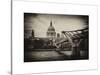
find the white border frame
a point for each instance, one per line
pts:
(18, 65)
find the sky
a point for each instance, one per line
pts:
(40, 23)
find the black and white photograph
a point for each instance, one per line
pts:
(55, 37)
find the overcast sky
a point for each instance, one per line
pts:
(40, 23)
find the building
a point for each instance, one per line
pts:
(51, 34)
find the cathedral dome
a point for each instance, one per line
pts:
(51, 28)
(51, 31)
